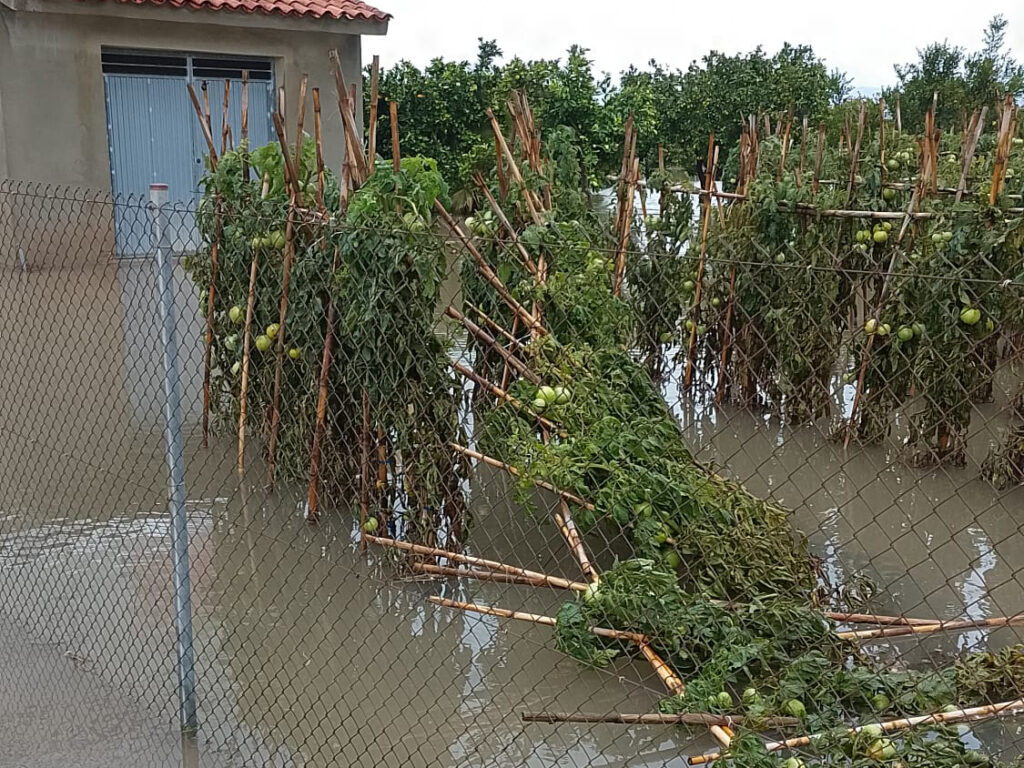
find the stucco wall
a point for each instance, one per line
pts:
(52, 113)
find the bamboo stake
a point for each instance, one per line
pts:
(244, 138)
(371, 129)
(513, 342)
(207, 133)
(1003, 144)
(246, 345)
(973, 135)
(899, 117)
(479, 562)
(661, 157)
(503, 219)
(534, 618)
(396, 154)
(500, 578)
(873, 618)
(502, 394)
(225, 124)
(937, 718)
(476, 455)
(720, 394)
(353, 142)
(488, 274)
(275, 407)
(818, 157)
(685, 718)
(364, 475)
(303, 85)
(855, 152)
(942, 626)
(803, 152)
(506, 372)
(211, 290)
(624, 217)
(319, 427)
(785, 143)
(528, 196)
(706, 220)
(499, 163)
(490, 341)
(563, 518)
(206, 107)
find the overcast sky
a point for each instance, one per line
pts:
(864, 38)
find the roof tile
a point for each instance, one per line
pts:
(318, 9)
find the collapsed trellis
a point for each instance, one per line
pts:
(519, 350)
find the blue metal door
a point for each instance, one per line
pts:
(154, 136)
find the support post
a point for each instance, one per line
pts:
(158, 196)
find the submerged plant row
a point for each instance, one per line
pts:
(322, 296)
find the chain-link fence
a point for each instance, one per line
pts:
(350, 385)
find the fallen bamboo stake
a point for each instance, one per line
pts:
(684, 718)
(527, 261)
(489, 340)
(489, 460)
(942, 626)
(501, 394)
(938, 718)
(873, 618)
(495, 576)
(488, 274)
(534, 618)
(479, 562)
(512, 340)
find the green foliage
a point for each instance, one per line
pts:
(963, 81)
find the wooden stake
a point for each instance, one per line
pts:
(956, 716)
(974, 131)
(706, 220)
(225, 124)
(493, 576)
(244, 138)
(364, 475)
(803, 152)
(246, 346)
(303, 85)
(506, 224)
(275, 406)
(698, 718)
(661, 157)
(899, 117)
(489, 340)
(396, 155)
(372, 127)
(488, 274)
(528, 196)
(490, 461)
(353, 142)
(785, 143)
(207, 134)
(855, 151)
(499, 163)
(503, 395)
(942, 626)
(719, 396)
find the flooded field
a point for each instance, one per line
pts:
(312, 653)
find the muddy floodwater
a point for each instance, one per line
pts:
(311, 653)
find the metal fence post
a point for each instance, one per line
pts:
(158, 196)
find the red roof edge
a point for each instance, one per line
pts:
(355, 10)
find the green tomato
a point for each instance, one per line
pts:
(918, 329)
(272, 330)
(892, 164)
(716, 302)
(690, 325)
(881, 749)
(689, 285)
(905, 333)
(276, 239)
(884, 329)
(294, 353)
(371, 525)
(539, 404)
(751, 696)
(673, 561)
(780, 258)
(888, 194)
(873, 730)
(236, 314)
(263, 343)
(547, 394)
(880, 701)
(795, 708)
(880, 236)
(236, 368)
(970, 315)
(859, 236)
(666, 337)
(887, 226)
(793, 762)
(724, 700)
(871, 326)
(562, 395)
